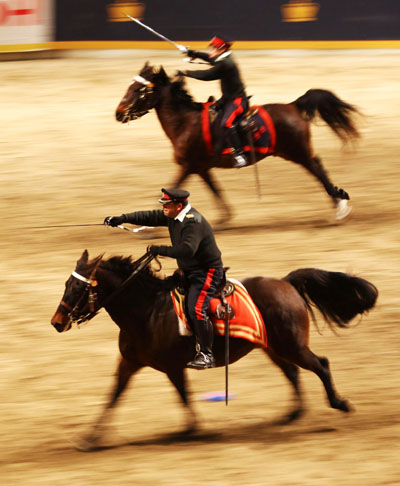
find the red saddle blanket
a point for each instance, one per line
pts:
(247, 322)
(264, 134)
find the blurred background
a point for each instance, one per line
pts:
(65, 160)
(61, 24)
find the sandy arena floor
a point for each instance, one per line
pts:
(65, 160)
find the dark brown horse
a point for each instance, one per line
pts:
(180, 117)
(140, 304)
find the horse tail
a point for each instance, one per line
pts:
(334, 111)
(338, 296)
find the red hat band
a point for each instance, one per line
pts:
(174, 195)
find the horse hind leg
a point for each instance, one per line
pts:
(320, 366)
(291, 371)
(338, 196)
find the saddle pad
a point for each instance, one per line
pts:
(247, 324)
(264, 136)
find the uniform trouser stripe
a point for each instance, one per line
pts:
(235, 113)
(203, 294)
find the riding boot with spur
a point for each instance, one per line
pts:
(204, 331)
(238, 154)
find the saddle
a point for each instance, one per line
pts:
(226, 288)
(255, 128)
(232, 303)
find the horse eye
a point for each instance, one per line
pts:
(73, 285)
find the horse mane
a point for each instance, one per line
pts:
(125, 266)
(180, 97)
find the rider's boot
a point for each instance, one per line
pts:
(204, 331)
(238, 154)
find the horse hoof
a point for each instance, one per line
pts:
(343, 209)
(346, 406)
(290, 417)
(85, 444)
(343, 405)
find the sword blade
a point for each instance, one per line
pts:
(153, 31)
(65, 225)
(135, 230)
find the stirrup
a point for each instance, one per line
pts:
(202, 361)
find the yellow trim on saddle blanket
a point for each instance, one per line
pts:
(247, 324)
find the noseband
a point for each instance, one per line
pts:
(145, 90)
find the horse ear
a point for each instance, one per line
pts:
(98, 258)
(162, 74)
(84, 257)
(145, 68)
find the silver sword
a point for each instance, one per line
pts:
(135, 230)
(178, 46)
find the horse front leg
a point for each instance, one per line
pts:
(91, 440)
(226, 212)
(177, 377)
(184, 173)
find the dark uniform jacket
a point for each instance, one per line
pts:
(224, 69)
(193, 242)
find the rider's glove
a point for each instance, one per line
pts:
(114, 220)
(191, 53)
(183, 49)
(154, 250)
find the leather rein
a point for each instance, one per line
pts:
(76, 315)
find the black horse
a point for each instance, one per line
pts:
(139, 303)
(181, 120)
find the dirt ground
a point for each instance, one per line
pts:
(65, 160)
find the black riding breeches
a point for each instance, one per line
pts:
(232, 110)
(202, 285)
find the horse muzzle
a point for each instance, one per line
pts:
(126, 114)
(61, 323)
(122, 116)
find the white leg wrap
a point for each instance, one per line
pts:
(343, 209)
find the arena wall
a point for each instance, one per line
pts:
(253, 24)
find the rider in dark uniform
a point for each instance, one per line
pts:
(233, 102)
(197, 254)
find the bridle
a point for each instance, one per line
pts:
(78, 316)
(145, 90)
(74, 312)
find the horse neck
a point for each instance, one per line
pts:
(133, 305)
(171, 119)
